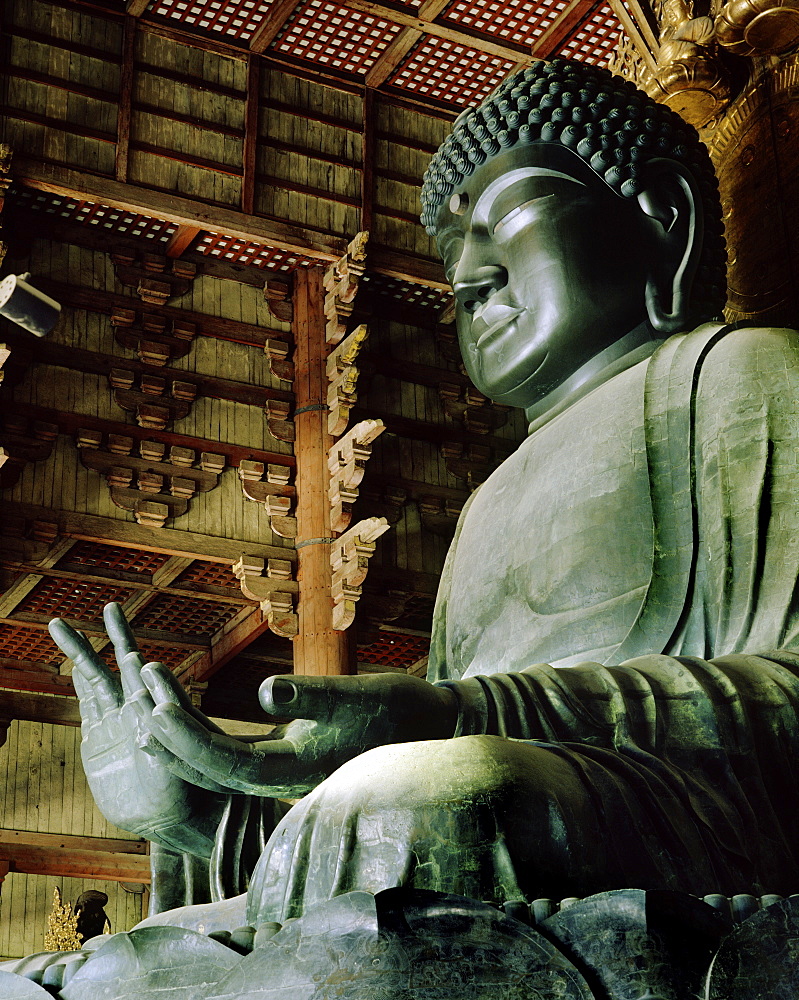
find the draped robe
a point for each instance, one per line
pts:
(604, 619)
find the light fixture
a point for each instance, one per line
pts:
(27, 306)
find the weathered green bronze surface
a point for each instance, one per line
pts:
(606, 715)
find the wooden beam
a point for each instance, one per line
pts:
(560, 29)
(645, 49)
(69, 182)
(181, 240)
(31, 707)
(34, 680)
(109, 531)
(250, 152)
(368, 160)
(277, 14)
(232, 642)
(125, 97)
(391, 58)
(135, 8)
(67, 863)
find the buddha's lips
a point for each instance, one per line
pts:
(491, 318)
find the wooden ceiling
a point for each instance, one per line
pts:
(213, 147)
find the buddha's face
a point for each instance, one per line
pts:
(548, 269)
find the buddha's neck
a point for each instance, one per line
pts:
(635, 346)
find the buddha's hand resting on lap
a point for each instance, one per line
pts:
(125, 771)
(334, 720)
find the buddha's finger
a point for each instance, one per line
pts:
(75, 645)
(126, 649)
(89, 709)
(165, 689)
(153, 748)
(228, 762)
(304, 697)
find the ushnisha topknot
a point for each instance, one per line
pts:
(609, 123)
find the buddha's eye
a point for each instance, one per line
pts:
(511, 223)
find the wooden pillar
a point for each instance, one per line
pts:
(319, 648)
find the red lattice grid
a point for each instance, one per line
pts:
(450, 72)
(33, 644)
(114, 558)
(101, 216)
(334, 36)
(595, 39)
(208, 574)
(233, 18)
(394, 649)
(403, 291)
(184, 615)
(509, 20)
(71, 599)
(238, 251)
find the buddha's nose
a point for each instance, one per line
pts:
(478, 285)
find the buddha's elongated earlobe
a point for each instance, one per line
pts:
(671, 201)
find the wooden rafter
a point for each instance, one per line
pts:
(181, 240)
(279, 12)
(391, 58)
(572, 14)
(135, 8)
(125, 97)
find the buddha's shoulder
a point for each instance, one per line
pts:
(747, 351)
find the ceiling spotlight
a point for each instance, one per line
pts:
(27, 306)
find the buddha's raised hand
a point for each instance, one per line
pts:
(131, 786)
(334, 720)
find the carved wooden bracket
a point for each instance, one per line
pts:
(440, 515)
(155, 278)
(273, 492)
(342, 377)
(471, 408)
(347, 464)
(278, 421)
(447, 343)
(386, 501)
(349, 560)
(278, 300)
(23, 441)
(341, 284)
(155, 403)
(472, 462)
(155, 339)
(27, 540)
(279, 365)
(155, 485)
(195, 690)
(275, 592)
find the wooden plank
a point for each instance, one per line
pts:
(250, 152)
(115, 867)
(59, 83)
(230, 644)
(125, 95)
(108, 531)
(62, 841)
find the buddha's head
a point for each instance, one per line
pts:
(569, 210)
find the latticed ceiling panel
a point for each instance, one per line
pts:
(404, 291)
(208, 574)
(395, 649)
(115, 220)
(34, 644)
(238, 251)
(74, 599)
(595, 39)
(450, 72)
(234, 19)
(179, 614)
(153, 652)
(335, 37)
(514, 21)
(112, 557)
